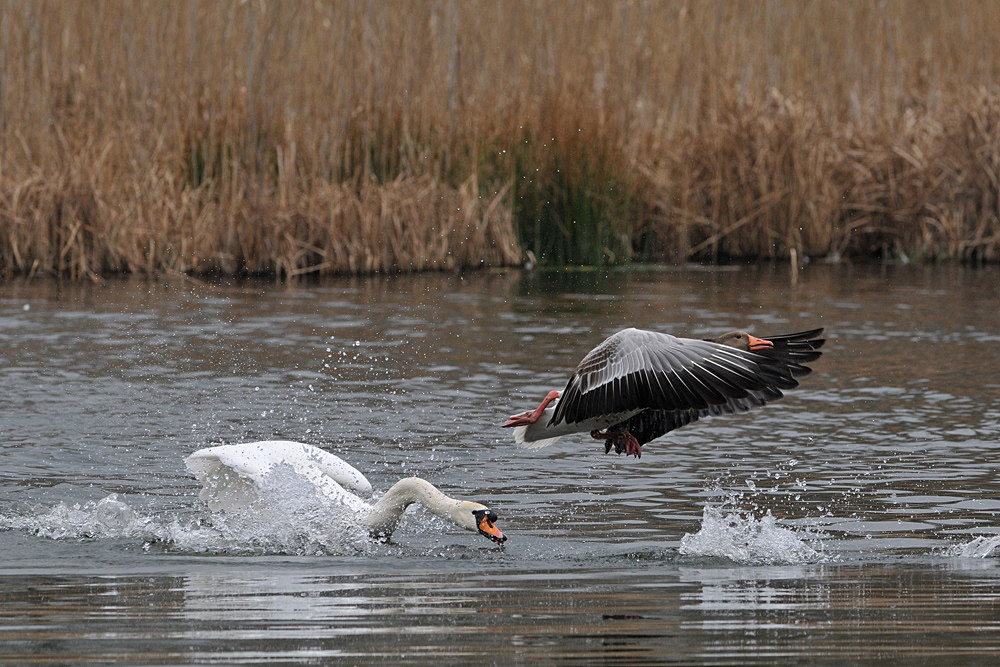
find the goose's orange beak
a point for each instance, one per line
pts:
(759, 343)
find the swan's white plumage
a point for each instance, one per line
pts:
(231, 475)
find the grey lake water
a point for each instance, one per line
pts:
(857, 520)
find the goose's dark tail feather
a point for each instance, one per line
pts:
(795, 349)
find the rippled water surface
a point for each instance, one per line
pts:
(855, 520)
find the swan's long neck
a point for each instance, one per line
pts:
(386, 513)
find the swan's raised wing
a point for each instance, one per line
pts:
(224, 486)
(232, 475)
(329, 464)
(641, 370)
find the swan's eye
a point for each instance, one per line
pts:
(488, 515)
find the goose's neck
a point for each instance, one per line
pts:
(386, 513)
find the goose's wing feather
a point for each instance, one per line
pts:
(645, 370)
(649, 425)
(231, 475)
(795, 349)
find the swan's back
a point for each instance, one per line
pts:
(233, 475)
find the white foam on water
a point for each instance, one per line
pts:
(743, 538)
(980, 547)
(287, 517)
(106, 518)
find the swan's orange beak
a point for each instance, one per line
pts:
(759, 343)
(486, 520)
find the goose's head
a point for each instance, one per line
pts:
(741, 340)
(481, 519)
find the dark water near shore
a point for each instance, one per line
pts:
(856, 520)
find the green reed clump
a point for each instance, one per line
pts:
(572, 202)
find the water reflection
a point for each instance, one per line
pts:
(882, 465)
(643, 615)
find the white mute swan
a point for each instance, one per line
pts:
(232, 476)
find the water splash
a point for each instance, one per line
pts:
(108, 518)
(743, 538)
(980, 547)
(288, 517)
(251, 533)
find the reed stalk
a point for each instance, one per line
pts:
(293, 139)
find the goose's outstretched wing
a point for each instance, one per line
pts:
(685, 378)
(649, 425)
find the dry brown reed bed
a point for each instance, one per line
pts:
(300, 139)
(762, 182)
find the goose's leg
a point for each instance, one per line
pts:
(623, 441)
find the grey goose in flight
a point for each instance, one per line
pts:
(638, 385)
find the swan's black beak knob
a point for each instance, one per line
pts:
(486, 521)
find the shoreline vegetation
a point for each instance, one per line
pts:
(290, 138)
